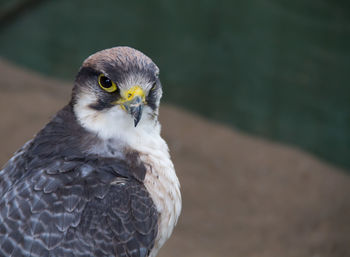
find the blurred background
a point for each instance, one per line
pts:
(256, 114)
(274, 68)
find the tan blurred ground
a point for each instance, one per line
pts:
(242, 196)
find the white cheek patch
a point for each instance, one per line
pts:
(105, 123)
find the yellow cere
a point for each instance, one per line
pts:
(135, 91)
(128, 95)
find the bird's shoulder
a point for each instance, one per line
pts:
(88, 203)
(58, 201)
(71, 207)
(63, 145)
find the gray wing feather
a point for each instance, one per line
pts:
(74, 208)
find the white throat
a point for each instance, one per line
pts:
(160, 180)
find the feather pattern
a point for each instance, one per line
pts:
(58, 201)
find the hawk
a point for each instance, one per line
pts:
(97, 180)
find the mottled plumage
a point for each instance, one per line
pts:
(92, 183)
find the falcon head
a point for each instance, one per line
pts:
(117, 89)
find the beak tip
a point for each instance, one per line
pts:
(135, 122)
(137, 116)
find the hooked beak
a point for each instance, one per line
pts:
(133, 102)
(134, 107)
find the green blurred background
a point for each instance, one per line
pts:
(273, 68)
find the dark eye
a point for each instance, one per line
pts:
(106, 83)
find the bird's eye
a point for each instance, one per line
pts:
(106, 84)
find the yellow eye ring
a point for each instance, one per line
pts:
(106, 84)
